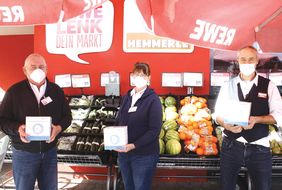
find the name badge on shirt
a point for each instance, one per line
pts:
(46, 100)
(132, 109)
(262, 95)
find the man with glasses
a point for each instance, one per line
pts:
(35, 96)
(248, 144)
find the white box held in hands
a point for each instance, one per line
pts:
(238, 113)
(115, 137)
(38, 128)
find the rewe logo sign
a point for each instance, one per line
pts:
(90, 32)
(11, 14)
(209, 32)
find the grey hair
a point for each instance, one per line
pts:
(34, 55)
(247, 47)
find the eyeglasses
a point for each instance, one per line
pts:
(33, 67)
(247, 60)
(134, 75)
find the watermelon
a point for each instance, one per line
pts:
(170, 125)
(171, 116)
(170, 109)
(162, 133)
(162, 146)
(171, 134)
(164, 118)
(173, 147)
(170, 101)
(161, 99)
(163, 111)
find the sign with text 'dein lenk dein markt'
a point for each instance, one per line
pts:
(89, 32)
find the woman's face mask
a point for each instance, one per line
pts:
(140, 81)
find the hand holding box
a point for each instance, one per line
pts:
(115, 137)
(38, 128)
(237, 113)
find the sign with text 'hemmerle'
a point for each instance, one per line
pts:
(138, 38)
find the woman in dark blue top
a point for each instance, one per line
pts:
(141, 111)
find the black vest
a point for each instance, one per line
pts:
(259, 97)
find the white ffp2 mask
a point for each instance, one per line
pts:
(38, 75)
(140, 82)
(247, 69)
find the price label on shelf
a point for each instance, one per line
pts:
(105, 78)
(80, 81)
(218, 79)
(193, 79)
(171, 79)
(63, 81)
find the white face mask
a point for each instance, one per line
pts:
(140, 82)
(247, 69)
(37, 75)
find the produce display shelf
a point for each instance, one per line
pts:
(189, 163)
(277, 162)
(85, 160)
(8, 157)
(204, 163)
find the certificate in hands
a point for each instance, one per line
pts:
(238, 113)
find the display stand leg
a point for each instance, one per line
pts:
(109, 176)
(115, 177)
(119, 183)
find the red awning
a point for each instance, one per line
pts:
(217, 24)
(32, 12)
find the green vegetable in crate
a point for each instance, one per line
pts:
(173, 147)
(170, 109)
(218, 131)
(101, 147)
(170, 101)
(280, 144)
(276, 146)
(163, 116)
(171, 116)
(271, 128)
(162, 146)
(162, 133)
(170, 125)
(161, 99)
(171, 134)
(163, 110)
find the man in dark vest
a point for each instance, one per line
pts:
(247, 144)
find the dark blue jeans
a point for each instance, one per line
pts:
(256, 158)
(137, 170)
(29, 167)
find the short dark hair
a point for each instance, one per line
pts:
(141, 66)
